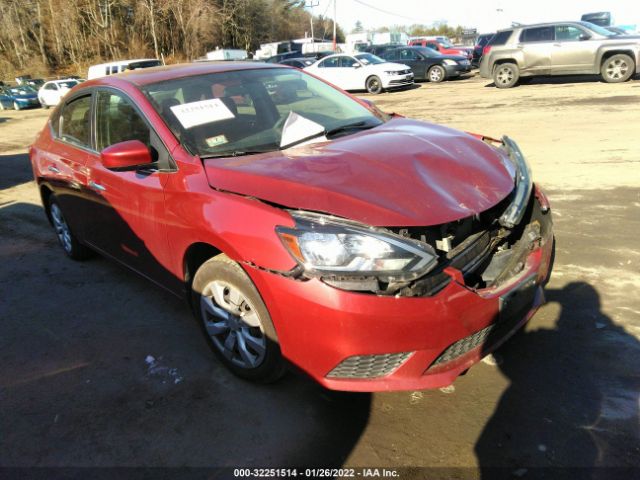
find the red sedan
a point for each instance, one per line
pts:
(305, 226)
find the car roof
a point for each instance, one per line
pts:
(545, 24)
(146, 76)
(124, 62)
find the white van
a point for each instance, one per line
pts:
(104, 69)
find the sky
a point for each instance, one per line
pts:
(486, 15)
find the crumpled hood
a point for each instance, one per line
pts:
(402, 173)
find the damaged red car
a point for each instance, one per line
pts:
(306, 227)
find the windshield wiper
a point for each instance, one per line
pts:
(361, 125)
(234, 153)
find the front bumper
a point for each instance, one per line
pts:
(397, 81)
(406, 343)
(457, 70)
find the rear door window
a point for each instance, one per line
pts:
(537, 34)
(75, 125)
(500, 38)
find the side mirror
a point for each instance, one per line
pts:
(127, 155)
(584, 37)
(356, 65)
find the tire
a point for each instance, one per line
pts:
(436, 74)
(506, 75)
(374, 85)
(236, 321)
(617, 68)
(16, 106)
(68, 241)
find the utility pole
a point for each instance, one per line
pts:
(310, 5)
(334, 25)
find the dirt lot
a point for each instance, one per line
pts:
(75, 389)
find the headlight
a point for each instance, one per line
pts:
(325, 246)
(391, 73)
(515, 211)
(448, 61)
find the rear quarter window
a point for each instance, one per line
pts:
(537, 34)
(500, 38)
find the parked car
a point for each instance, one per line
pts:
(363, 71)
(51, 92)
(481, 42)
(298, 62)
(282, 56)
(378, 50)
(19, 97)
(371, 251)
(561, 48)
(427, 64)
(111, 68)
(442, 47)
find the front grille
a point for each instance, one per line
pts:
(369, 366)
(487, 336)
(400, 82)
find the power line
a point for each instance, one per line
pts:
(413, 20)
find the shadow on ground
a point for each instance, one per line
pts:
(557, 410)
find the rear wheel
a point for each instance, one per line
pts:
(236, 321)
(70, 244)
(374, 85)
(436, 74)
(617, 68)
(506, 75)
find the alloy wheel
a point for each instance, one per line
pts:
(62, 229)
(617, 69)
(505, 75)
(435, 75)
(233, 324)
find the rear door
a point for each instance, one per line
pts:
(537, 44)
(127, 207)
(573, 52)
(64, 166)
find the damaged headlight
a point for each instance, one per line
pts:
(326, 246)
(514, 212)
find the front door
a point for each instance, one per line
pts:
(573, 52)
(128, 206)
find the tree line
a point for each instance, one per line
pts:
(64, 36)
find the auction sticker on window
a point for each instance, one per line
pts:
(202, 112)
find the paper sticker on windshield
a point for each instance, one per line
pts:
(198, 113)
(215, 141)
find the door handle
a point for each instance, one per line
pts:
(96, 186)
(53, 168)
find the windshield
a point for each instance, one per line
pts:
(68, 84)
(599, 30)
(369, 59)
(428, 52)
(22, 90)
(245, 111)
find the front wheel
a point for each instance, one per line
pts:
(374, 85)
(617, 68)
(437, 74)
(506, 75)
(236, 321)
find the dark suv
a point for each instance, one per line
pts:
(562, 48)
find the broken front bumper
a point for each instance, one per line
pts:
(364, 342)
